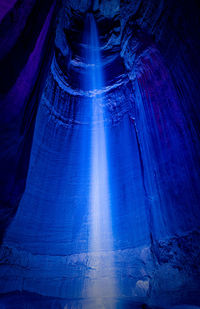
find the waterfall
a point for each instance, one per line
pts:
(100, 242)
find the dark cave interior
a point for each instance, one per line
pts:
(100, 154)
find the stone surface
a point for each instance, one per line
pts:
(22, 78)
(150, 60)
(164, 274)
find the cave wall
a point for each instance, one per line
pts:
(150, 59)
(23, 68)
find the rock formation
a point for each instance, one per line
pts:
(150, 64)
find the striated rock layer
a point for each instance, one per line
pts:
(150, 61)
(163, 275)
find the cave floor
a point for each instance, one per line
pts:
(27, 300)
(22, 300)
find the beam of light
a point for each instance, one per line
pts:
(102, 274)
(101, 238)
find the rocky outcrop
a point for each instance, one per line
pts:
(145, 274)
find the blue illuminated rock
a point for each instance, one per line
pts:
(147, 106)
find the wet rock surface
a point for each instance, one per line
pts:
(162, 275)
(150, 59)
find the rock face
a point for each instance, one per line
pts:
(150, 64)
(22, 78)
(165, 274)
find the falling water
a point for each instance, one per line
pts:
(102, 274)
